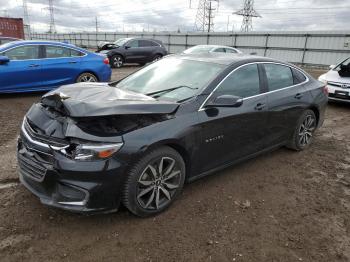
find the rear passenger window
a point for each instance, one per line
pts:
(278, 76)
(244, 82)
(219, 50)
(229, 50)
(146, 43)
(298, 76)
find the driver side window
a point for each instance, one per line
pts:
(134, 43)
(244, 82)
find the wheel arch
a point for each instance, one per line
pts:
(316, 111)
(180, 149)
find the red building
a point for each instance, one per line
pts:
(11, 27)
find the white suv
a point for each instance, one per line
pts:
(338, 81)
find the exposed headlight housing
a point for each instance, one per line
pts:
(88, 152)
(95, 152)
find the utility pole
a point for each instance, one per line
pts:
(52, 29)
(205, 15)
(248, 13)
(96, 24)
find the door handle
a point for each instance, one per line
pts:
(259, 107)
(298, 96)
(72, 62)
(33, 65)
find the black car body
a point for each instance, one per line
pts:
(133, 50)
(202, 129)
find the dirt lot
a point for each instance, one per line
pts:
(283, 206)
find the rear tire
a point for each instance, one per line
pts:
(304, 131)
(154, 182)
(117, 61)
(86, 77)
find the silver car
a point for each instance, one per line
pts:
(211, 49)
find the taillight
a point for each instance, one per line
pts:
(106, 61)
(325, 90)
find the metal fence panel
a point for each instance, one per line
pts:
(320, 48)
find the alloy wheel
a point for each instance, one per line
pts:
(158, 183)
(117, 61)
(87, 78)
(306, 130)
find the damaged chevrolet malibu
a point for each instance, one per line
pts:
(90, 147)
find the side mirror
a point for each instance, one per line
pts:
(331, 67)
(253, 53)
(127, 47)
(226, 101)
(4, 60)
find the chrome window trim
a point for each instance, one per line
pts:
(201, 108)
(44, 58)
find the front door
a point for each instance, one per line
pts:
(232, 133)
(23, 71)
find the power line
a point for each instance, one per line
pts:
(248, 13)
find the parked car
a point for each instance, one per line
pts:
(4, 40)
(138, 140)
(211, 49)
(337, 80)
(104, 47)
(135, 50)
(27, 66)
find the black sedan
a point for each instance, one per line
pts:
(133, 50)
(89, 147)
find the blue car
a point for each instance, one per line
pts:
(27, 66)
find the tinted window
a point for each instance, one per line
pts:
(58, 51)
(298, 76)
(244, 82)
(229, 50)
(134, 43)
(278, 76)
(145, 43)
(23, 53)
(219, 50)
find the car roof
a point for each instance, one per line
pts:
(214, 46)
(37, 42)
(224, 59)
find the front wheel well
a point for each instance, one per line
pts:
(183, 153)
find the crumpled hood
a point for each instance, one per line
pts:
(100, 99)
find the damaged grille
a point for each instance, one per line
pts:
(30, 168)
(33, 132)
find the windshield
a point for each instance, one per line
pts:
(121, 41)
(198, 49)
(172, 79)
(344, 63)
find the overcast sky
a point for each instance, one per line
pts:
(160, 15)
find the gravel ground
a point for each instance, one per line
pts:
(282, 206)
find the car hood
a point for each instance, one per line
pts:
(100, 99)
(333, 76)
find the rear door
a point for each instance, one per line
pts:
(232, 133)
(287, 98)
(60, 66)
(23, 72)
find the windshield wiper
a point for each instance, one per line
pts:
(169, 90)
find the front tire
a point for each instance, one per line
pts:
(304, 131)
(154, 182)
(86, 77)
(156, 58)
